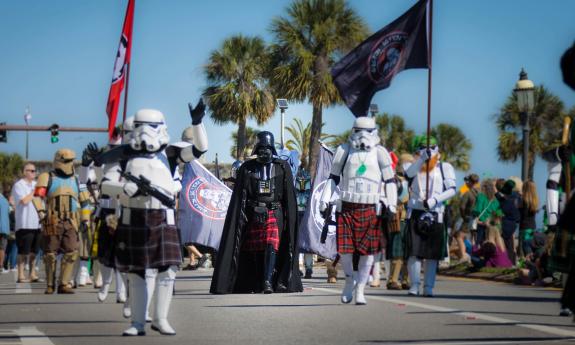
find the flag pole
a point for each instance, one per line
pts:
(430, 55)
(126, 96)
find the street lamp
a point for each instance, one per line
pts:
(525, 93)
(27, 118)
(373, 109)
(283, 105)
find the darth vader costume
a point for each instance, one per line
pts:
(258, 250)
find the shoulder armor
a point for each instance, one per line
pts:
(43, 180)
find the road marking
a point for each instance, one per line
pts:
(23, 288)
(478, 316)
(32, 336)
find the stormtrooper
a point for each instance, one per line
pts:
(147, 242)
(426, 231)
(363, 171)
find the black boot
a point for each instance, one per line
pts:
(269, 265)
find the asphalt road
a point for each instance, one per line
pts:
(462, 312)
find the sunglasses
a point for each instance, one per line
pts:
(31, 170)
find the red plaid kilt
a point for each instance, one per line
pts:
(358, 229)
(148, 242)
(259, 236)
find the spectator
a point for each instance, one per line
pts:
(528, 207)
(193, 252)
(485, 205)
(466, 206)
(509, 202)
(4, 228)
(492, 252)
(27, 223)
(534, 269)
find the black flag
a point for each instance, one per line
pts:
(372, 65)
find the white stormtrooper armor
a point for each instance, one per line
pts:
(442, 185)
(363, 171)
(357, 183)
(555, 200)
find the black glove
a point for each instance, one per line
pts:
(564, 152)
(89, 154)
(552, 229)
(198, 112)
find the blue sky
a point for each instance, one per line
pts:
(57, 57)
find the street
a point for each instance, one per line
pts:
(462, 312)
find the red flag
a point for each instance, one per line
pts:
(119, 76)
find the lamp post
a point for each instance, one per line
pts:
(525, 93)
(373, 109)
(27, 118)
(283, 105)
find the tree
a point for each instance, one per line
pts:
(248, 147)
(308, 41)
(12, 165)
(238, 87)
(545, 123)
(336, 140)
(395, 135)
(453, 145)
(300, 140)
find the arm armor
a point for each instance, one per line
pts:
(449, 184)
(414, 168)
(388, 178)
(552, 206)
(199, 144)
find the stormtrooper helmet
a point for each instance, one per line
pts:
(64, 161)
(364, 134)
(128, 128)
(150, 132)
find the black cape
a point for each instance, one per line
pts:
(237, 271)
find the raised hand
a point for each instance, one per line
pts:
(198, 112)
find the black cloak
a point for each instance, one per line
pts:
(239, 271)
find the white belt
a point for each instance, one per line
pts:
(107, 203)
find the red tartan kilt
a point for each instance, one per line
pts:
(259, 236)
(358, 229)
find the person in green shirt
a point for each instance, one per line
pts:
(486, 204)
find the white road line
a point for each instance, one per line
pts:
(32, 336)
(478, 316)
(23, 288)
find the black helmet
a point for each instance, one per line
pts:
(265, 139)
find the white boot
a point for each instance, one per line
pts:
(164, 291)
(364, 266)
(81, 277)
(347, 293)
(122, 279)
(414, 271)
(359, 296)
(106, 281)
(138, 298)
(151, 274)
(121, 292)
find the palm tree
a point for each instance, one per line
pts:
(248, 147)
(238, 88)
(308, 41)
(453, 145)
(300, 140)
(338, 139)
(545, 123)
(12, 168)
(394, 134)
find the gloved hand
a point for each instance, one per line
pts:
(552, 219)
(130, 189)
(564, 152)
(89, 154)
(425, 154)
(322, 207)
(429, 203)
(198, 112)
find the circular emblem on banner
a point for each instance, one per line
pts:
(120, 63)
(315, 212)
(207, 199)
(385, 56)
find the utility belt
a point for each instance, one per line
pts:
(141, 217)
(55, 218)
(258, 212)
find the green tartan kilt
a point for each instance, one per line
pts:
(558, 263)
(396, 243)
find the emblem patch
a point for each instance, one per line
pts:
(383, 62)
(209, 200)
(316, 214)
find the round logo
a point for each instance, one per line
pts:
(316, 214)
(385, 56)
(207, 199)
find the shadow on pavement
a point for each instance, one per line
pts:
(467, 340)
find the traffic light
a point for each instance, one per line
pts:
(3, 136)
(54, 133)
